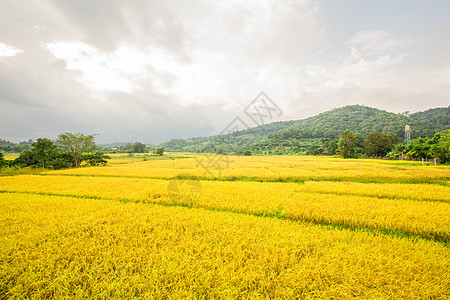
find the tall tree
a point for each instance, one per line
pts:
(347, 144)
(44, 150)
(160, 151)
(139, 148)
(440, 146)
(377, 144)
(3, 161)
(77, 144)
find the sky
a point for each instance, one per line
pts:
(150, 71)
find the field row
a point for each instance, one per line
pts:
(291, 168)
(332, 206)
(54, 247)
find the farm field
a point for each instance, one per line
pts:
(198, 226)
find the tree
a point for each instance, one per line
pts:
(347, 144)
(314, 150)
(329, 147)
(139, 148)
(26, 158)
(61, 160)
(160, 151)
(393, 138)
(153, 150)
(77, 144)
(419, 148)
(44, 150)
(95, 159)
(3, 161)
(223, 149)
(377, 144)
(440, 146)
(398, 150)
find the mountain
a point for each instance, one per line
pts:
(330, 124)
(439, 117)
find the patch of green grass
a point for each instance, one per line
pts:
(21, 171)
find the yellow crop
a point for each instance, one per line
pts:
(198, 226)
(273, 168)
(424, 192)
(289, 200)
(53, 247)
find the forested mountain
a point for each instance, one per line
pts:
(7, 146)
(363, 120)
(439, 117)
(330, 124)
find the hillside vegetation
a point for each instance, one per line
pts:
(303, 133)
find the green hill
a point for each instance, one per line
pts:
(330, 124)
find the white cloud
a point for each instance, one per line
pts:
(153, 70)
(7, 50)
(115, 71)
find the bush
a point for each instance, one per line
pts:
(3, 162)
(95, 159)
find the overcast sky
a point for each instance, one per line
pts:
(150, 71)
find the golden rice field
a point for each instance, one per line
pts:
(192, 226)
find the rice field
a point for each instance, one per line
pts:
(196, 226)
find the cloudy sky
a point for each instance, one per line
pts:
(149, 71)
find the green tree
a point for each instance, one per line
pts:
(77, 144)
(26, 158)
(393, 138)
(44, 149)
(398, 150)
(377, 144)
(347, 144)
(314, 150)
(329, 147)
(440, 146)
(160, 151)
(61, 160)
(96, 158)
(3, 161)
(139, 148)
(419, 148)
(223, 149)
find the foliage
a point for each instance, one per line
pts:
(439, 117)
(77, 144)
(26, 158)
(296, 137)
(139, 148)
(55, 160)
(436, 147)
(347, 144)
(160, 151)
(44, 150)
(419, 148)
(7, 146)
(377, 144)
(330, 147)
(440, 146)
(96, 158)
(3, 162)
(61, 160)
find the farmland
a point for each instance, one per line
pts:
(197, 226)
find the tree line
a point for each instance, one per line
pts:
(379, 144)
(68, 150)
(137, 147)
